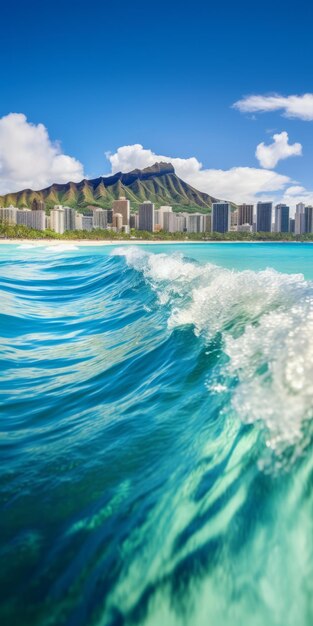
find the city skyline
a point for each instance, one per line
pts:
(223, 218)
(245, 137)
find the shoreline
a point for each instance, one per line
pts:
(133, 242)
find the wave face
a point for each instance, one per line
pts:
(156, 441)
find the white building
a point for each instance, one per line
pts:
(87, 222)
(8, 215)
(195, 223)
(32, 219)
(100, 218)
(57, 219)
(300, 219)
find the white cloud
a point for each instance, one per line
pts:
(269, 155)
(292, 106)
(240, 184)
(29, 159)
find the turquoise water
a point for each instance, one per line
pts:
(156, 435)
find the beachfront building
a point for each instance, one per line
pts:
(117, 221)
(281, 218)
(100, 218)
(87, 222)
(264, 217)
(122, 207)
(221, 212)
(195, 223)
(308, 212)
(300, 219)
(245, 214)
(159, 216)
(134, 220)
(69, 218)
(8, 215)
(207, 223)
(57, 219)
(32, 219)
(146, 216)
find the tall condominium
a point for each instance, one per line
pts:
(221, 217)
(281, 218)
(146, 216)
(195, 223)
(8, 215)
(245, 214)
(207, 223)
(159, 216)
(69, 218)
(308, 212)
(57, 219)
(133, 220)
(100, 218)
(87, 222)
(264, 217)
(118, 221)
(122, 207)
(300, 219)
(33, 219)
(169, 222)
(234, 219)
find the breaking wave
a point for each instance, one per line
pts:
(156, 456)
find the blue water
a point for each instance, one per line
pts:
(156, 435)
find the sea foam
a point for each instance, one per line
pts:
(265, 321)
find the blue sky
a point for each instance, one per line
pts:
(100, 77)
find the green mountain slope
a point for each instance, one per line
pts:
(158, 183)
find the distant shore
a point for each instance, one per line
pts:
(132, 242)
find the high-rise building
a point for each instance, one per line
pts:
(281, 218)
(38, 219)
(207, 223)
(69, 218)
(264, 217)
(133, 220)
(221, 217)
(159, 216)
(122, 206)
(245, 214)
(234, 219)
(78, 221)
(169, 222)
(8, 215)
(57, 219)
(100, 218)
(33, 219)
(300, 218)
(308, 212)
(292, 225)
(87, 222)
(22, 217)
(195, 223)
(146, 216)
(118, 221)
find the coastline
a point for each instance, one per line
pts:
(132, 242)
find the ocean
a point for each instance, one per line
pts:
(156, 435)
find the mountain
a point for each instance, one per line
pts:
(158, 183)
